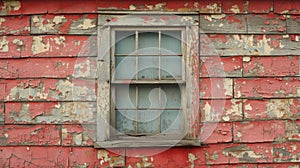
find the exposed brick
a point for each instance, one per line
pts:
(77, 135)
(255, 45)
(222, 23)
(271, 66)
(50, 112)
(267, 87)
(216, 88)
(266, 24)
(221, 66)
(30, 135)
(221, 110)
(50, 89)
(292, 130)
(15, 25)
(272, 109)
(47, 45)
(64, 24)
(164, 157)
(216, 132)
(290, 7)
(48, 68)
(259, 131)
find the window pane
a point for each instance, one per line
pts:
(171, 67)
(125, 42)
(148, 121)
(148, 43)
(147, 67)
(148, 97)
(126, 121)
(125, 97)
(125, 67)
(171, 96)
(171, 121)
(171, 42)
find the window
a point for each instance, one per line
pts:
(147, 82)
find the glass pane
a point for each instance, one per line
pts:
(126, 121)
(125, 97)
(147, 67)
(171, 121)
(125, 67)
(148, 97)
(171, 96)
(148, 43)
(171, 42)
(148, 121)
(125, 42)
(171, 67)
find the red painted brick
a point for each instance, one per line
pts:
(45, 46)
(230, 166)
(50, 112)
(286, 152)
(10, 8)
(173, 157)
(48, 68)
(235, 6)
(69, 6)
(216, 88)
(216, 133)
(252, 6)
(267, 87)
(221, 110)
(15, 25)
(291, 7)
(30, 135)
(259, 131)
(50, 89)
(76, 135)
(64, 24)
(221, 66)
(271, 66)
(271, 109)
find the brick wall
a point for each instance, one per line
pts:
(47, 67)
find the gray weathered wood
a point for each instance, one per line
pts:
(266, 24)
(223, 23)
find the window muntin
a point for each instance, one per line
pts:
(151, 61)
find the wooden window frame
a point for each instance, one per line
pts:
(190, 96)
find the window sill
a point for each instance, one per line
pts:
(145, 143)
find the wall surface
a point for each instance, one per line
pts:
(47, 87)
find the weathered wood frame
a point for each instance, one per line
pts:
(190, 54)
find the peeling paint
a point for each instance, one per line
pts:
(3, 44)
(87, 24)
(39, 46)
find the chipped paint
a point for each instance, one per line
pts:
(11, 5)
(39, 46)
(3, 44)
(235, 9)
(87, 24)
(277, 108)
(192, 159)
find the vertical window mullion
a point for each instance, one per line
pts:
(136, 108)
(159, 55)
(137, 54)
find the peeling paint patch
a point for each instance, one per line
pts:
(39, 46)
